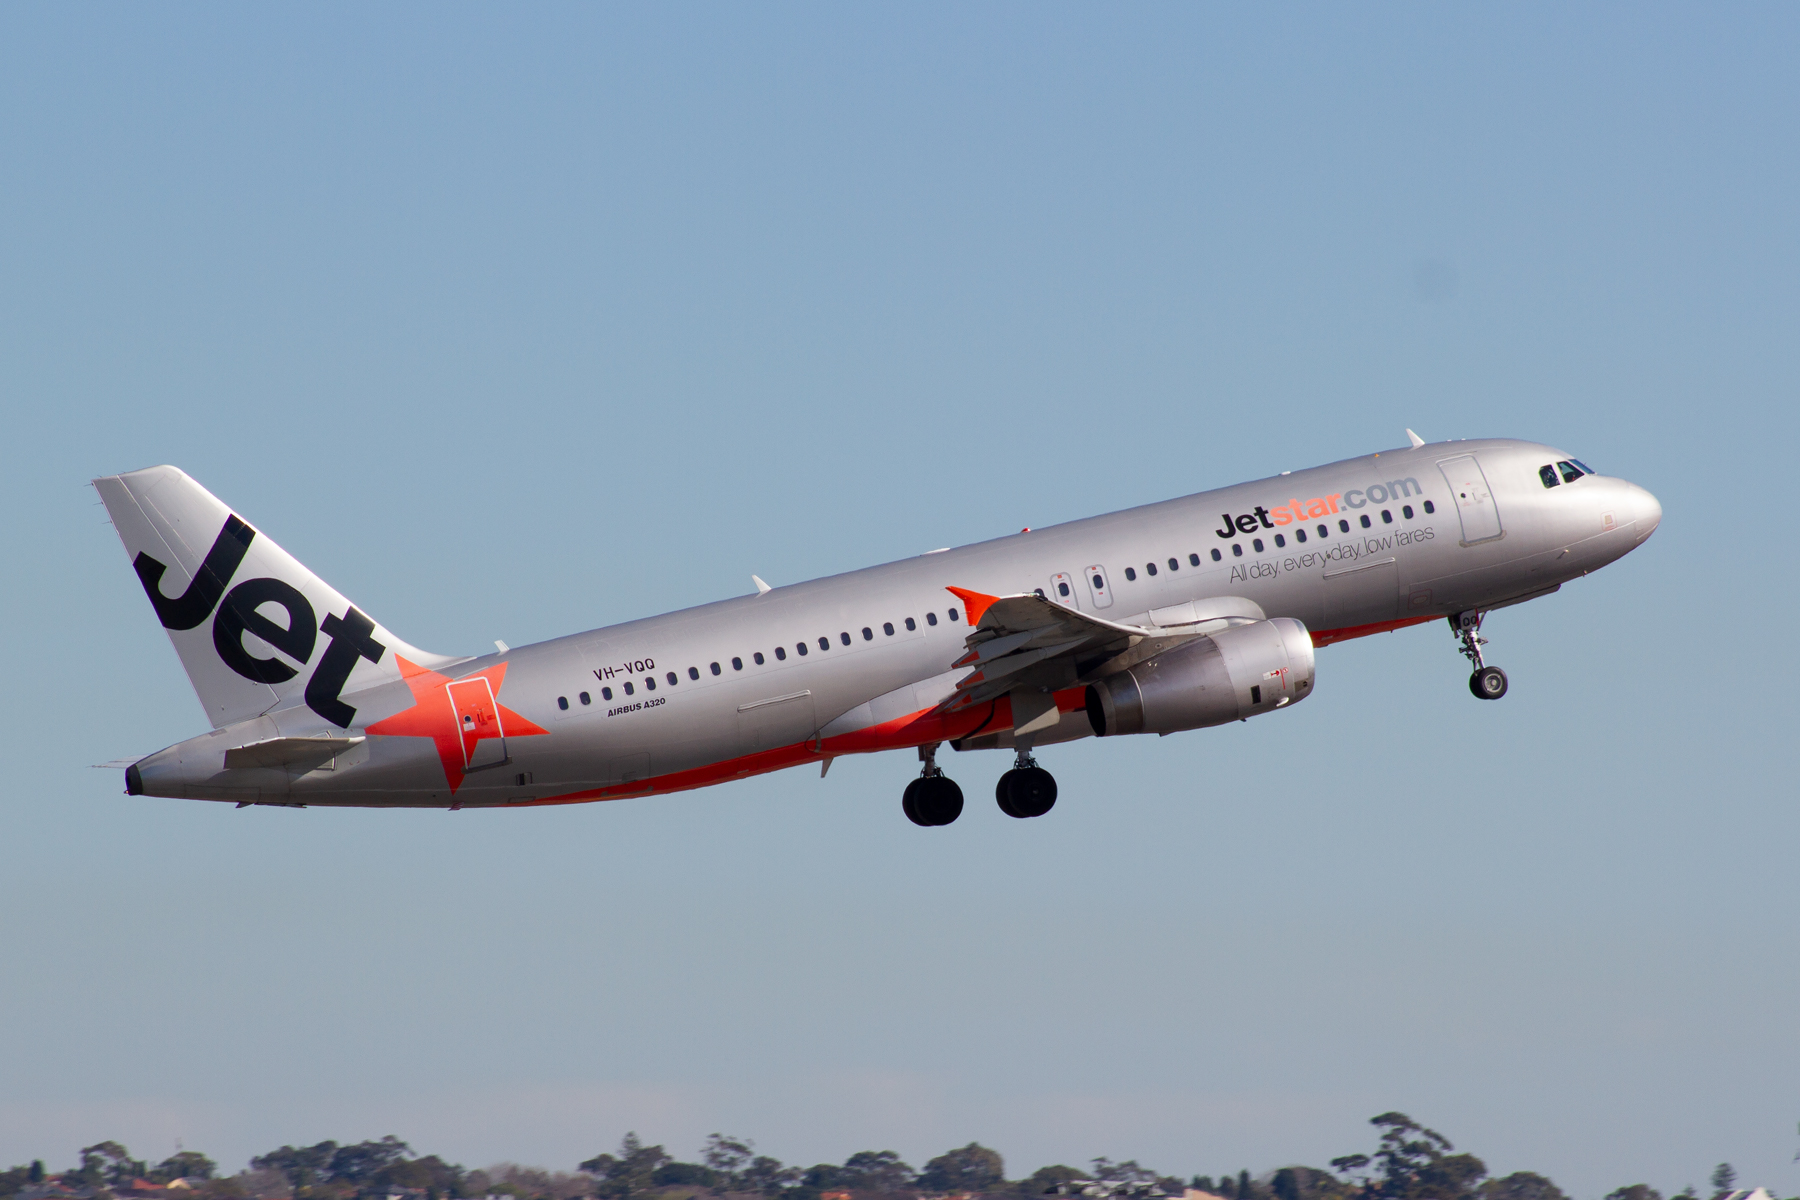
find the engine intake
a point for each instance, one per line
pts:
(1227, 676)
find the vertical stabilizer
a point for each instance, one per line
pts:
(254, 628)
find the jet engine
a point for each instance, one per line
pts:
(1226, 676)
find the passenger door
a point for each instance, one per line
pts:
(478, 723)
(1062, 589)
(1474, 500)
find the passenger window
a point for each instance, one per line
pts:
(562, 702)
(1547, 473)
(1237, 550)
(649, 683)
(675, 679)
(693, 672)
(868, 634)
(628, 690)
(1194, 560)
(887, 627)
(1174, 564)
(1387, 518)
(1299, 535)
(1150, 567)
(1217, 556)
(1280, 541)
(1130, 574)
(931, 618)
(1430, 507)
(1406, 511)
(1257, 542)
(1569, 473)
(824, 643)
(1324, 530)
(1062, 589)
(737, 664)
(845, 638)
(757, 658)
(586, 699)
(951, 613)
(781, 653)
(800, 646)
(1099, 583)
(716, 671)
(606, 693)
(911, 624)
(1365, 520)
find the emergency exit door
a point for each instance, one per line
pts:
(478, 723)
(1474, 500)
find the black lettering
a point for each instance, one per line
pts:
(349, 640)
(1246, 523)
(193, 606)
(1230, 530)
(1262, 514)
(238, 616)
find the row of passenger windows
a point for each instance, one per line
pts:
(1571, 471)
(1256, 544)
(737, 664)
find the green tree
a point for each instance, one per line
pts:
(879, 1171)
(974, 1168)
(1048, 1179)
(1521, 1185)
(302, 1166)
(627, 1173)
(1636, 1191)
(184, 1164)
(1723, 1176)
(360, 1164)
(728, 1156)
(767, 1176)
(1246, 1190)
(1412, 1163)
(1285, 1185)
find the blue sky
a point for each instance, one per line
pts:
(517, 322)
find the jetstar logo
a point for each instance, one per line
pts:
(456, 714)
(1297, 509)
(238, 614)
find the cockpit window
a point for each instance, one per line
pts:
(1585, 469)
(1547, 473)
(1570, 472)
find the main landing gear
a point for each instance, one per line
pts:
(1487, 683)
(1027, 790)
(933, 798)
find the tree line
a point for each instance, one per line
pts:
(1408, 1162)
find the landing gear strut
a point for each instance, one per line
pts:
(1487, 683)
(1027, 790)
(933, 798)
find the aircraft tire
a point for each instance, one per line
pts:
(909, 803)
(1489, 683)
(938, 801)
(1026, 792)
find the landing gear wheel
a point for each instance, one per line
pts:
(909, 805)
(1489, 683)
(937, 800)
(1028, 791)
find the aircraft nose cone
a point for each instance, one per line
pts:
(1649, 512)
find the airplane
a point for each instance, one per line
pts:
(1169, 617)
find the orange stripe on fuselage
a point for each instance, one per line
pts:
(1328, 636)
(915, 729)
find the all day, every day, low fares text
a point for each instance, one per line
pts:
(1170, 617)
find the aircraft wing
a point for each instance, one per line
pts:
(1026, 641)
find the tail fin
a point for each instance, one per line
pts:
(244, 615)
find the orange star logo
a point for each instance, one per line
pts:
(456, 714)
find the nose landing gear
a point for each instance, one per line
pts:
(933, 798)
(1487, 683)
(1027, 790)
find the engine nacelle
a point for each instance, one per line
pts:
(1226, 676)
